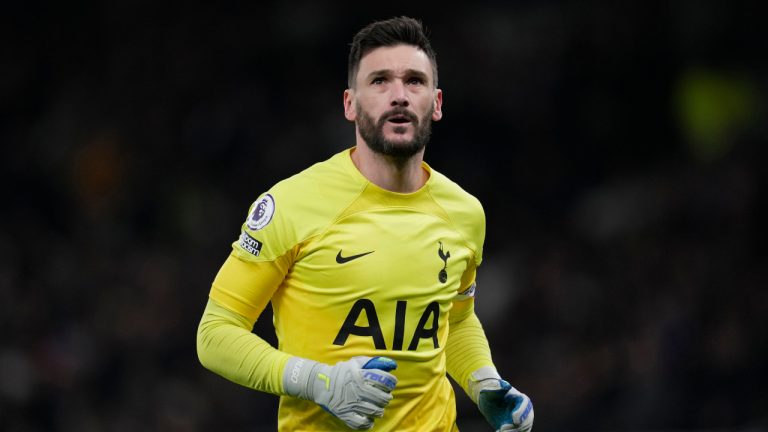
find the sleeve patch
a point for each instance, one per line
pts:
(250, 244)
(262, 213)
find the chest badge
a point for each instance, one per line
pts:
(443, 275)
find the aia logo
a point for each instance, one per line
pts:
(426, 328)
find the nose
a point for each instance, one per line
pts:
(399, 95)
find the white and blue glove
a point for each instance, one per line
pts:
(356, 391)
(505, 408)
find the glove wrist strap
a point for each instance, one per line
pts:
(297, 377)
(485, 377)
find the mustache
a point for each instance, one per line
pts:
(399, 111)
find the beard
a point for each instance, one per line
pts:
(372, 133)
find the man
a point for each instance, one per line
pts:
(369, 262)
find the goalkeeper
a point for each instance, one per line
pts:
(369, 262)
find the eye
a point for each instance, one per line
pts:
(415, 81)
(377, 81)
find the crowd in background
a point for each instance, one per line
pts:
(618, 150)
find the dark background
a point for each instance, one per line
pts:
(617, 148)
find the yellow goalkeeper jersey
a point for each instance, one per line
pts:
(363, 271)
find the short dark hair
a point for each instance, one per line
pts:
(386, 33)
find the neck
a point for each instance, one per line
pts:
(392, 174)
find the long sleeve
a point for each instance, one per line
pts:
(226, 346)
(467, 349)
(225, 343)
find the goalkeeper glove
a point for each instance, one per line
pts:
(356, 391)
(505, 408)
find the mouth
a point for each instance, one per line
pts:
(399, 119)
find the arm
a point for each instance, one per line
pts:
(225, 344)
(469, 363)
(467, 349)
(355, 391)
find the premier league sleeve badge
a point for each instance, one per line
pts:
(261, 213)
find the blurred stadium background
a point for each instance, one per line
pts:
(618, 148)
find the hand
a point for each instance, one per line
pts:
(505, 408)
(356, 391)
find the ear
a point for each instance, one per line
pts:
(349, 105)
(437, 112)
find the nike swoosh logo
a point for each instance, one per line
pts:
(342, 259)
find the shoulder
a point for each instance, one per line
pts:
(299, 207)
(319, 193)
(454, 199)
(463, 209)
(330, 173)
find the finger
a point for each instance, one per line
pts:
(512, 428)
(357, 421)
(380, 379)
(522, 407)
(382, 363)
(368, 409)
(375, 395)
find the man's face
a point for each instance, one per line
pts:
(394, 100)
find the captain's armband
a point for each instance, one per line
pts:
(467, 293)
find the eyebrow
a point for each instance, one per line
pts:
(408, 72)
